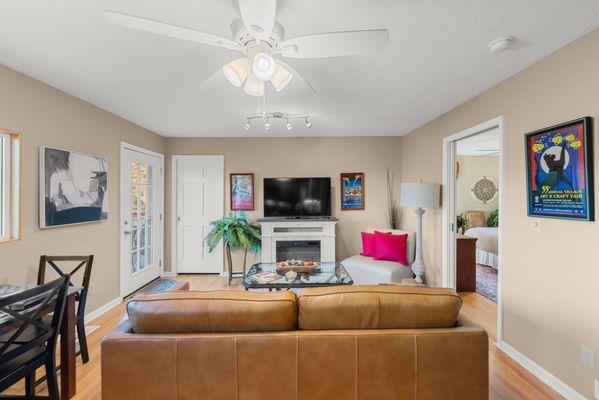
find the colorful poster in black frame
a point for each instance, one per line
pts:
(559, 171)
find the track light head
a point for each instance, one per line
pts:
(308, 123)
(288, 125)
(246, 126)
(267, 125)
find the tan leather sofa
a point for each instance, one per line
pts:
(342, 343)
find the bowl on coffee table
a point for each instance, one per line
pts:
(299, 266)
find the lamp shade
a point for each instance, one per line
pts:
(420, 195)
(254, 86)
(281, 78)
(237, 71)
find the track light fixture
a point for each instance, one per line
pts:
(269, 117)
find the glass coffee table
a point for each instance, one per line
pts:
(266, 276)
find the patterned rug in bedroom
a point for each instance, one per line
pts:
(486, 281)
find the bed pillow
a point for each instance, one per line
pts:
(369, 244)
(391, 247)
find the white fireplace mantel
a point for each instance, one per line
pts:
(284, 229)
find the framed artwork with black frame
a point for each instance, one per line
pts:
(242, 191)
(559, 171)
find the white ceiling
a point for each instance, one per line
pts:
(437, 58)
(481, 144)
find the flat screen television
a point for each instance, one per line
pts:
(297, 197)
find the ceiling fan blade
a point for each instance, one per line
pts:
(173, 31)
(299, 86)
(216, 81)
(335, 44)
(258, 16)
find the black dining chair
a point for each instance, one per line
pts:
(29, 342)
(85, 265)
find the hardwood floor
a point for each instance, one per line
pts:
(507, 379)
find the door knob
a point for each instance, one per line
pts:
(126, 232)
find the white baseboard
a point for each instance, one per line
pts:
(168, 274)
(548, 378)
(103, 309)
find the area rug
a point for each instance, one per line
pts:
(159, 285)
(486, 281)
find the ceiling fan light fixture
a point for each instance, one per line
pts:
(264, 66)
(288, 125)
(237, 71)
(281, 78)
(308, 123)
(254, 86)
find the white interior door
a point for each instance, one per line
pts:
(142, 187)
(199, 201)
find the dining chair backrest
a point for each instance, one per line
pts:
(84, 263)
(26, 309)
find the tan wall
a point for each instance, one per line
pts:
(550, 278)
(49, 117)
(472, 168)
(304, 157)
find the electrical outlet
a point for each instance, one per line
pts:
(596, 389)
(587, 357)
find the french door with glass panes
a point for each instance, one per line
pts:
(142, 189)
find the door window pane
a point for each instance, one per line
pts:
(142, 238)
(150, 255)
(134, 239)
(142, 259)
(134, 262)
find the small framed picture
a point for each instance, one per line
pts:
(352, 191)
(242, 191)
(559, 171)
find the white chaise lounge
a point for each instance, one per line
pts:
(368, 271)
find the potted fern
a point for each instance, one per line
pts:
(237, 232)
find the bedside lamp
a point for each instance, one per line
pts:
(419, 196)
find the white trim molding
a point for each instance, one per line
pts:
(102, 310)
(547, 377)
(448, 244)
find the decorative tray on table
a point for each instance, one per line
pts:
(298, 266)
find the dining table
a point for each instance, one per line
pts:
(68, 378)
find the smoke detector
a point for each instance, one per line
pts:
(500, 44)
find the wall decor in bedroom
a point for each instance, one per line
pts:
(73, 188)
(559, 171)
(352, 191)
(484, 189)
(242, 191)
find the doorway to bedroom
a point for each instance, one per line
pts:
(472, 212)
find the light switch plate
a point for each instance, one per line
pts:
(587, 357)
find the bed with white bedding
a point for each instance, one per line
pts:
(486, 245)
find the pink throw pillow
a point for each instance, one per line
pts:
(391, 247)
(368, 243)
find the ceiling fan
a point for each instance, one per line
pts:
(261, 38)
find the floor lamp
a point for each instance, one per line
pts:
(419, 196)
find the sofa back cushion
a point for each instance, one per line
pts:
(213, 311)
(377, 307)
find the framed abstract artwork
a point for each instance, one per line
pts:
(242, 191)
(559, 171)
(73, 188)
(352, 191)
